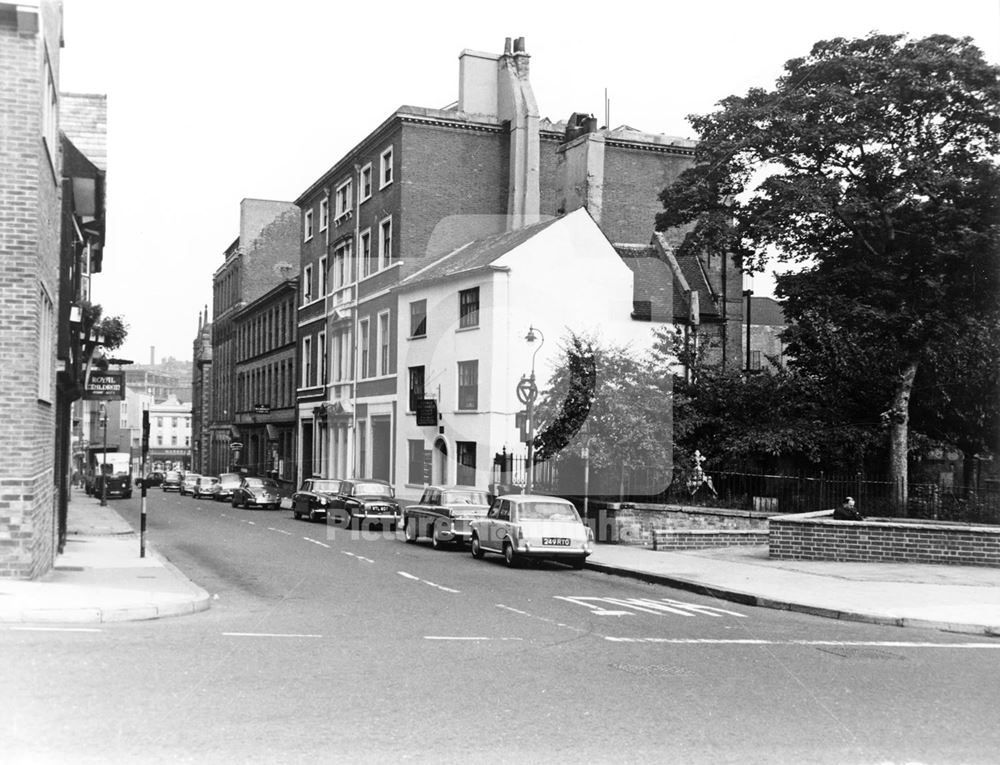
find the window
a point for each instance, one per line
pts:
(415, 451)
(173, 422)
(468, 308)
(159, 422)
(306, 361)
(187, 440)
(343, 201)
(366, 182)
(385, 168)
(468, 385)
(324, 214)
(307, 225)
(418, 318)
(321, 338)
(322, 277)
(341, 256)
(755, 362)
(368, 266)
(46, 322)
(173, 440)
(466, 457)
(416, 387)
(385, 243)
(383, 343)
(363, 347)
(307, 281)
(159, 439)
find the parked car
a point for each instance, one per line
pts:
(532, 526)
(171, 481)
(444, 513)
(154, 478)
(365, 500)
(257, 492)
(228, 483)
(188, 482)
(314, 497)
(205, 486)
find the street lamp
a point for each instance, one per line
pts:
(104, 461)
(532, 394)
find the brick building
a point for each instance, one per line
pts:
(265, 254)
(422, 183)
(30, 226)
(266, 382)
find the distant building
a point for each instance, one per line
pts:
(266, 383)
(169, 435)
(265, 254)
(766, 322)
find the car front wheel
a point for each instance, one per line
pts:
(410, 530)
(477, 551)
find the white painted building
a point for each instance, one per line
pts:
(463, 323)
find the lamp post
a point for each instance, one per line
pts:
(104, 460)
(532, 394)
(585, 452)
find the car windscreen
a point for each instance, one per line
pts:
(329, 486)
(233, 480)
(261, 483)
(376, 489)
(465, 498)
(547, 511)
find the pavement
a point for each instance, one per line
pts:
(101, 578)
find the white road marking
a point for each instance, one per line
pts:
(424, 581)
(251, 523)
(660, 607)
(837, 643)
(270, 634)
(359, 557)
(515, 610)
(316, 542)
(455, 637)
(54, 629)
(286, 533)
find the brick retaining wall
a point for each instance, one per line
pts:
(676, 527)
(816, 536)
(688, 539)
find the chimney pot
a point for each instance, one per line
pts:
(519, 45)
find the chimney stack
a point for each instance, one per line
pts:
(152, 355)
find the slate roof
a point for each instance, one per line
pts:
(475, 256)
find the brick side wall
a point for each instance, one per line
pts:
(29, 240)
(814, 536)
(700, 540)
(632, 181)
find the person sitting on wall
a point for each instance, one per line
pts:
(847, 511)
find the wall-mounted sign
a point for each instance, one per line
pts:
(262, 408)
(235, 446)
(427, 412)
(105, 386)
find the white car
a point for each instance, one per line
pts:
(522, 526)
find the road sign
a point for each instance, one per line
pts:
(527, 391)
(235, 446)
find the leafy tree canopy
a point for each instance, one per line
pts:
(879, 180)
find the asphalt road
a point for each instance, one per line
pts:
(326, 645)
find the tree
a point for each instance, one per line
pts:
(880, 182)
(624, 399)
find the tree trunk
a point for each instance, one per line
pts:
(899, 423)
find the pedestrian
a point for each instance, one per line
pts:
(847, 511)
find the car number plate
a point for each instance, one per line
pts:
(556, 541)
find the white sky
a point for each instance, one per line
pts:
(210, 102)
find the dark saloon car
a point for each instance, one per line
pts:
(171, 481)
(443, 514)
(228, 483)
(257, 492)
(365, 500)
(314, 497)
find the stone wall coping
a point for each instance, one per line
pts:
(692, 510)
(824, 517)
(711, 532)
